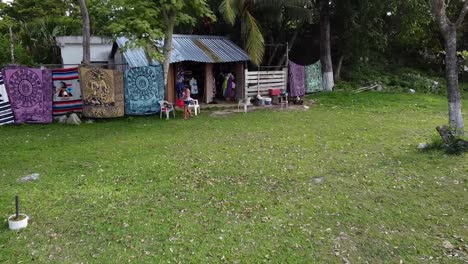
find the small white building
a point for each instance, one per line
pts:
(71, 48)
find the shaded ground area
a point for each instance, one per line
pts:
(342, 181)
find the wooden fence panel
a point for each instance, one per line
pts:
(260, 82)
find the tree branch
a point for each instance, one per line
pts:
(462, 15)
(439, 9)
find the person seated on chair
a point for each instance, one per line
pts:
(187, 99)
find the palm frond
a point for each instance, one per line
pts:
(262, 4)
(229, 11)
(255, 43)
(300, 13)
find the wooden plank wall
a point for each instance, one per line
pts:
(170, 87)
(260, 82)
(240, 80)
(209, 83)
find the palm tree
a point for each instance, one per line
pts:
(251, 33)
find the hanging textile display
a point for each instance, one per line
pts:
(30, 92)
(103, 95)
(6, 113)
(67, 92)
(180, 81)
(229, 86)
(297, 84)
(193, 86)
(144, 88)
(314, 77)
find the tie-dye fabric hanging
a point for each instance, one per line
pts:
(6, 113)
(314, 77)
(144, 88)
(297, 84)
(67, 92)
(30, 92)
(103, 95)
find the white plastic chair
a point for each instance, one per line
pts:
(244, 103)
(166, 107)
(283, 100)
(195, 106)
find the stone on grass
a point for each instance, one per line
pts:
(73, 119)
(62, 119)
(30, 177)
(422, 146)
(412, 91)
(319, 180)
(448, 245)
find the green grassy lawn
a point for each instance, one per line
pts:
(341, 181)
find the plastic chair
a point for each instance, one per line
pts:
(244, 103)
(166, 107)
(196, 107)
(283, 99)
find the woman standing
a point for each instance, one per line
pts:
(187, 100)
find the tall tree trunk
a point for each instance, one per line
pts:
(325, 49)
(243, 32)
(12, 46)
(170, 20)
(338, 68)
(449, 33)
(86, 33)
(451, 72)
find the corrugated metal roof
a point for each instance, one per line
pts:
(207, 49)
(135, 57)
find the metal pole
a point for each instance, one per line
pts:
(12, 46)
(17, 206)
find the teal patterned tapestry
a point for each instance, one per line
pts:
(144, 87)
(314, 77)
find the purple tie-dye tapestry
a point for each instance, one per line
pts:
(297, 84)
(30, 93)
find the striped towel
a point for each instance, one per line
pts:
(67, 92)
(6, 114)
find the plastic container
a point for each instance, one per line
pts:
(275, 92)
(267, 101)
(17, 225)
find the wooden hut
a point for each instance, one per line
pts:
(203, 58)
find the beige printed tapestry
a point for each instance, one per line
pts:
(103, 93)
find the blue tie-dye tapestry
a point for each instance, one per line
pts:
(144, 87)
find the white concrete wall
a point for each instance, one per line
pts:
(73, 53)
(71, 49)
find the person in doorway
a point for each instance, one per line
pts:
(187, 100)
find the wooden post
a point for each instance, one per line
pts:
(170, 85)
(285, 70)
(209, 84)
(246, 83)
